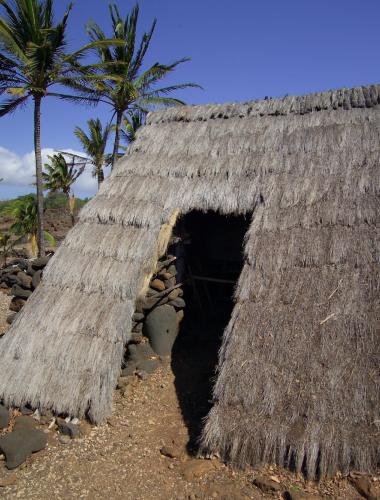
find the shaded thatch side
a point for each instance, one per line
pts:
(305, 328)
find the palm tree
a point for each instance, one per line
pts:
(32, 60)
(120, 81)
(60, 177)
(25, 213)
(131, 124)
(94, 145)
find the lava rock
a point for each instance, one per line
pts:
(158, 285)
(17, 291)
(20, 444)
(172, 270)
(178, 303)
(170, 282)
(37, 278)
(136, 338)
(148, 365)
(30, 271)
(25, 422)
(17, 304)
(11, 317)
(129, 369)
(161, 328)
(68, 429)
(266, 485)
(140, 352)
(180, 315)
(174, 294)
(40, 263)
(138, 316)
(137, 328)
(25, 410)
(4, 417)
(24, 280)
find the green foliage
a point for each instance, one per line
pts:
(118, 78)
(6, 245)
(24, 213)
(59, 175)
(33, 54)
(94, 144)
(131, 123)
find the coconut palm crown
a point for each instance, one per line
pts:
(120, 81)
(32, 60)
(94, 144)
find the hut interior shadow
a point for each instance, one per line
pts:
(209, 251)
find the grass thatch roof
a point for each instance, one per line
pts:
(298, 378)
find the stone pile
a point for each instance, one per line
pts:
(20, 279)
(156, 320)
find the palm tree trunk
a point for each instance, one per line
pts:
(39, 183)
(119, 117)
(100, 176)
(71, 207)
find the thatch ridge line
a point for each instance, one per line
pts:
(347, 99)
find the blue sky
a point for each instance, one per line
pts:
(241, 50)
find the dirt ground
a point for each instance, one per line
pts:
(127, 458)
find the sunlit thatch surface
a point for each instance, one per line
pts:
(298, 378)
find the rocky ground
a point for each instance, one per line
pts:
(5, 300)
(141, 454)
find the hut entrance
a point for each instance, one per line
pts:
(209, 251)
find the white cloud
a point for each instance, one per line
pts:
(19, 171)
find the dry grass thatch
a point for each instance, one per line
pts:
(298, 379)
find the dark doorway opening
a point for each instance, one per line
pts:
(209, 251)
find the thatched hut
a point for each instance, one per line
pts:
(298, 375)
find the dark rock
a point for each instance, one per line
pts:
(129, 369)
(178, 303)
(30, 271)
(138, 316)
(140, 352)
(11, 317)
(136, 338)
(161, 328)
(158, 285)
(150, 302)
(151, 292)
(266, 485)
(17, 304)
(148, 365)
(68, 429)
(25, 422)
(293, 494)
(142, 375)
(21, 263)
(17, 291)
(4, 417)
(364, 486)
(25, 410)
(164, 275)
(20, 444)
(172, 270)
(137, 328)
(37, 278)
(171, 282)
(10, 279)
(40, 263)
(174, 294)
(180, 315)
(24, 280)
